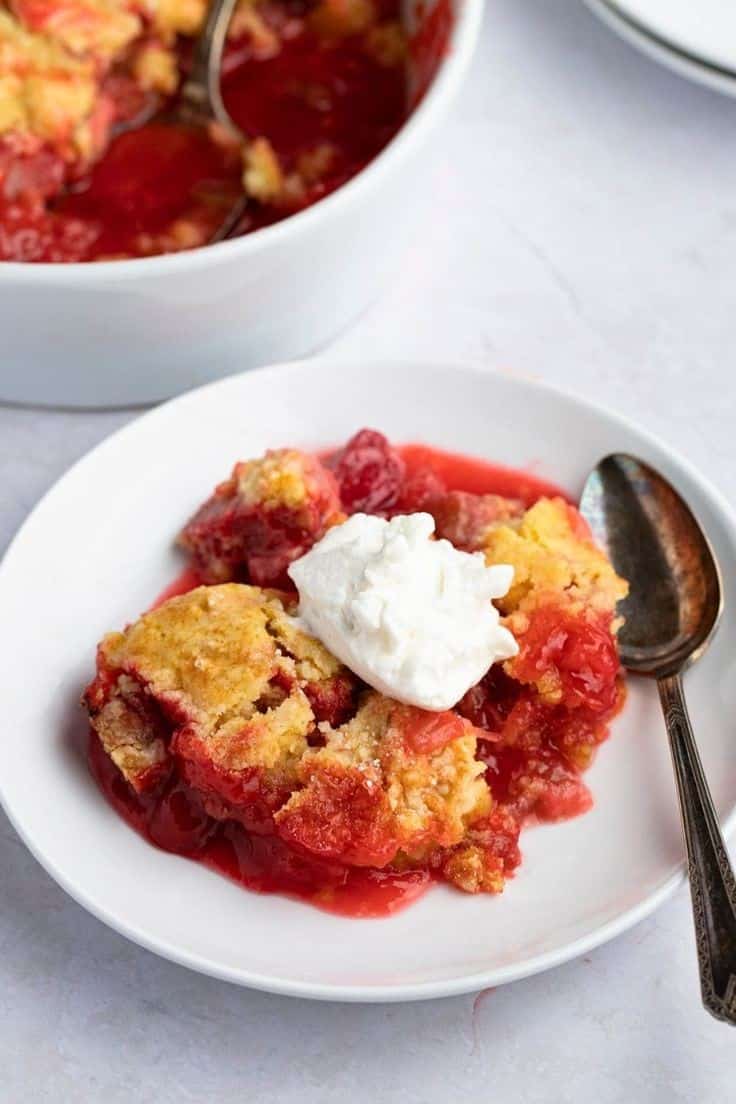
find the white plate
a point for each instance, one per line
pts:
(98, 549)
(701, 49)
(705, 29)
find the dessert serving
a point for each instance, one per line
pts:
(380, 664)
(90, 169)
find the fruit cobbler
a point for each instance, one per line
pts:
(223, 728)
(90, 169)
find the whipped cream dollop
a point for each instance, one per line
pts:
(410, 615)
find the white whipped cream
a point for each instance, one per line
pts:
(410, 615)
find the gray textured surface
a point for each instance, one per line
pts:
(585, 232)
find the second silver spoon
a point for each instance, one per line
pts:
(200, 100)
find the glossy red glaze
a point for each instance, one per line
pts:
(148, 178)
(539, 783)
(173, 819)
(466, 473)
(426, 732)
(356, 104)
(582, 652)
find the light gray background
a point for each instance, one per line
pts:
(583, 230)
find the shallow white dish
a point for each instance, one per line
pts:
(97, 550)
(705, 30)
(136, 331)
(697, 44)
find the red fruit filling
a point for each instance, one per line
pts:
(539, 717)
(369, 474)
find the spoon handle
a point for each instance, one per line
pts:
(712, 882)
(200, 92)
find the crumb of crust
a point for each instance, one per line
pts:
(181, 234)
(154, 68)
(386, 43)
(186, 233)
(178, 17)
(471, 869)
(263, 177)
(553, 553)
(368, 795)
(225, 138)
(205, 677)
(315, 163)
(98, 28)
(264, 41)
(340, 18)
(486, 857)
(44, 91)
(283, 477)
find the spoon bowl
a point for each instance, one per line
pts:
(200, 102)
(654, 540)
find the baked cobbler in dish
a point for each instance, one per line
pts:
(90, 170)
(223, 729)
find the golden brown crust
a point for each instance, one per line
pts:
(45, 92)
(486, 856)
(226, 674)
(368, 794)
(553, 553)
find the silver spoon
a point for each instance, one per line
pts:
(200, 101)
(672, 611)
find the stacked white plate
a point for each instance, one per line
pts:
(696, 39)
